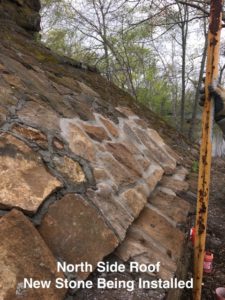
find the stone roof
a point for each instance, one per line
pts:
(82, 169)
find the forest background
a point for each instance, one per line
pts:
(155, 50)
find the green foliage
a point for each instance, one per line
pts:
(104, 34)
(156, 93)
(195, 166)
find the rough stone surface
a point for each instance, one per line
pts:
(96, 132)
(120, 174)
(174, 184)
(23, 254)
(124, 156)
(69, 168)
(62, 116)
(139, 247)
(24, 12)
(110, 206)
(171, 206)
(134, 200)
(80, 236)
(156, 150)
(35, 114)
(78, 141)
(32, 134)
(110, 127)
(25, 183)
(161, 231)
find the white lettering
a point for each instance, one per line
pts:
(70, 268)
(136, 267)
(73, 284)
(102, 283)
(36, 284)
(110, 267)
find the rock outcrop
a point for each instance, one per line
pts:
(82, 162)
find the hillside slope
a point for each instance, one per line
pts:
(85, 172)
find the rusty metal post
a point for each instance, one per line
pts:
(215, 25)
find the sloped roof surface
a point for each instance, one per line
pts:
(79, 159)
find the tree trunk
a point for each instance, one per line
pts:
(197, 93)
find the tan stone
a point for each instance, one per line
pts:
(2, 68)
(96, 132)
(111, 207)
(39, 115)
(154, 175)
(112, 129)
(25, 182)
(125, 157)
(162, 232)
(58, 144)
(134, 201)
(155, 149)
(180, 173)
(69, 168)
(78, 141)
(75, 232)
(125, 111)
(32, 134)
(141, 123)
(121, 175)
(138, 247)
(100, 174)
(23, 254)
(174, 184)
(130, 133)
(171, 206)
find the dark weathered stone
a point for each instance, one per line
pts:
(24, 254)
(24, 13)
(39, 115)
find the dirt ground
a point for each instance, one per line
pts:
(215, 242)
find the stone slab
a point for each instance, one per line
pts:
(78, 141)
(111, 207)
(138, 247)
(171, 206)
(69, 168)
(23, 254)
(25, 182)
(75, 232)
(175, 185)
(161, 232)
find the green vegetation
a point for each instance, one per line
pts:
(144, 47)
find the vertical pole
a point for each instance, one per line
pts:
(206, 145)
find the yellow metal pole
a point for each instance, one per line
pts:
(215, 25)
